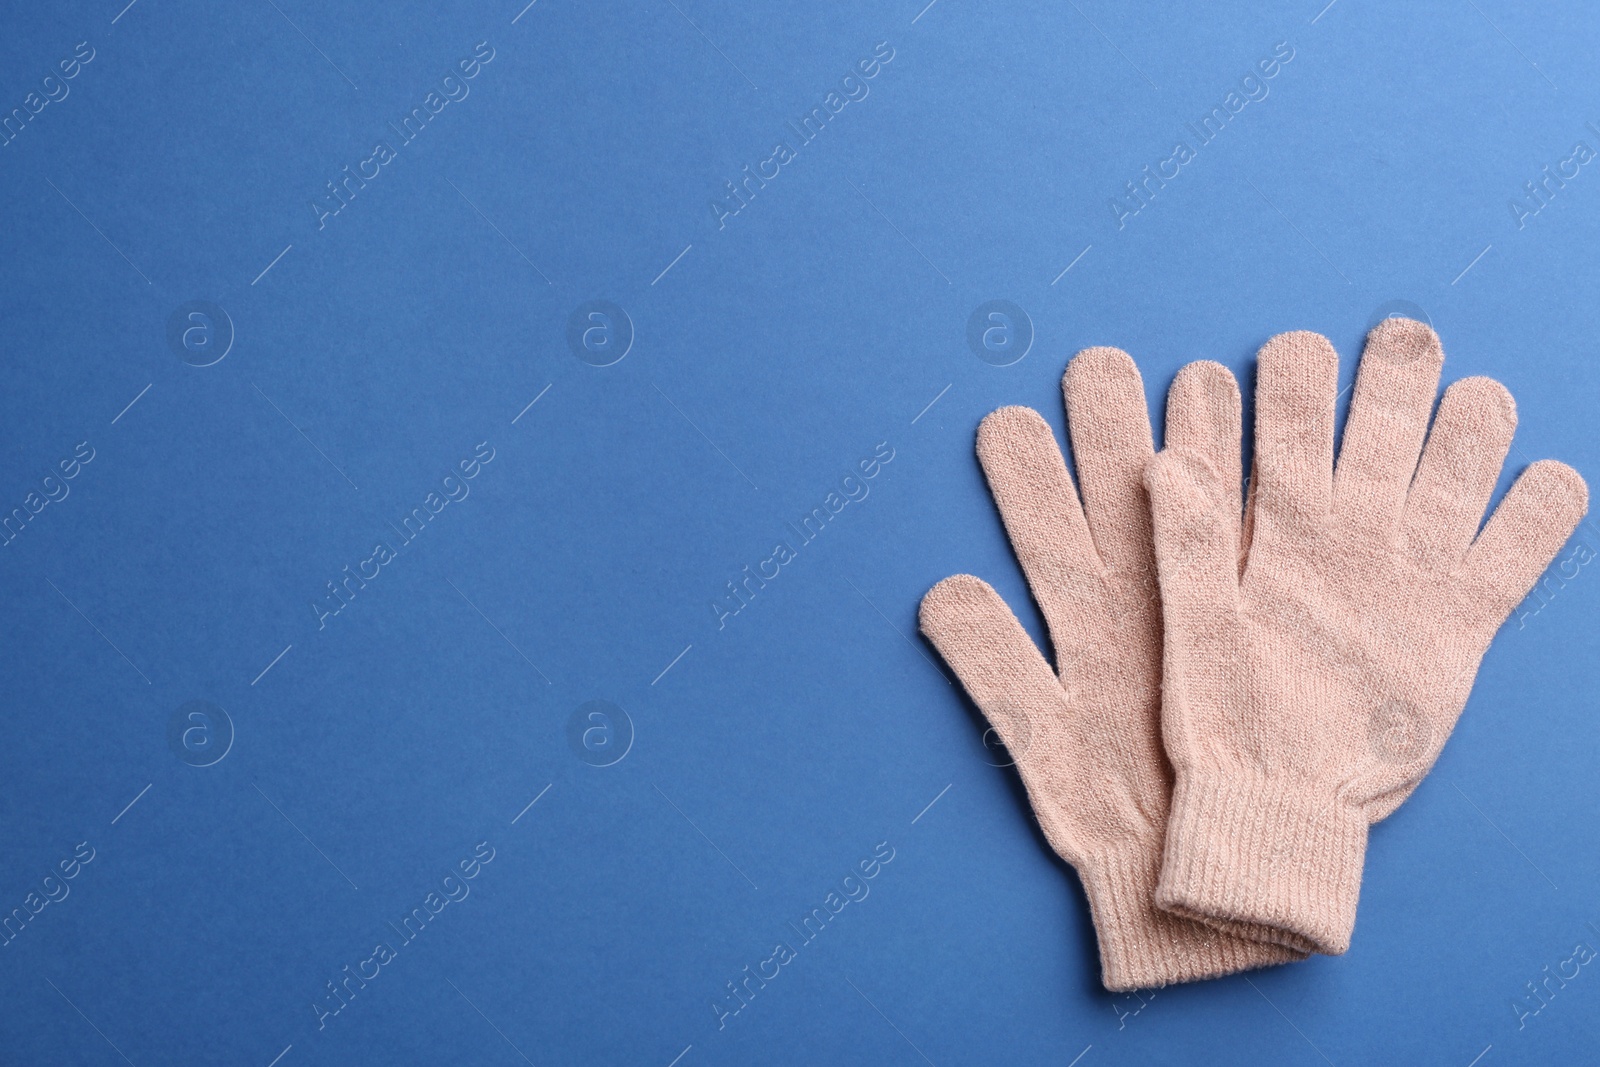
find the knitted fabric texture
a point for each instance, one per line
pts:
(1307, 695)
(1087, 743)
(1204, 413)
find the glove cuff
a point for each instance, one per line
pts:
(1142, 947)
(1269, 859)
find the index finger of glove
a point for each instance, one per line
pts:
(1043, 518)
(1111, 443)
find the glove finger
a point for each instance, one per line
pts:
(1196, 541)
(1197, 557)
(1111, 443)
(1524, 534)
(998, 664)
(1004, 674)
(1295, 396)
(1203, 416)
(1395, 388)
(1460, 465)
(1044, 520)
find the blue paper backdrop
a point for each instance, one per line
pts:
(279, 275)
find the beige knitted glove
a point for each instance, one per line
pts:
(1309, 695)
(1087, 744)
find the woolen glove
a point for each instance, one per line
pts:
(1203, 410)
(1087, 743)
(1309, 694)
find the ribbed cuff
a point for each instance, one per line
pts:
(1142, 947)
(1265, 859)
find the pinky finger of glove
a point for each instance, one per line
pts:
(1196, 537)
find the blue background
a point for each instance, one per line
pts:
(373, 752)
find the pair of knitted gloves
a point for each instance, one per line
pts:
(1242, 687)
